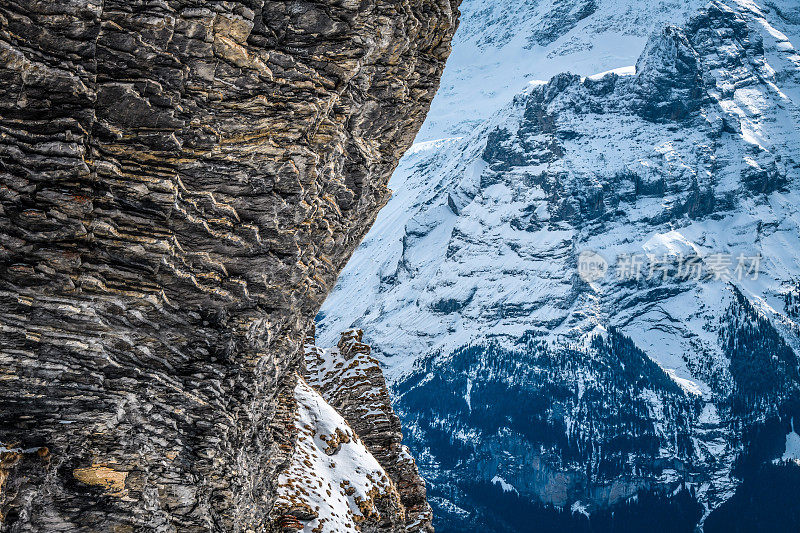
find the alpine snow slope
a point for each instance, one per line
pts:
(500, 45)
(658, 391)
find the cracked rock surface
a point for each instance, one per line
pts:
(351, 381)
(180, 184)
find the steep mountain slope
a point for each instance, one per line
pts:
(333, 483)
(658, 382)
(502, 44)
(350, 380)
(348, 470)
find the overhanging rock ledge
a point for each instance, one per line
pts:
(180, 184)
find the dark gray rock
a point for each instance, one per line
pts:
(180, 184)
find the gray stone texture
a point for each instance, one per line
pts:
(180, 184)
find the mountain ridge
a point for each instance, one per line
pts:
(689, 157)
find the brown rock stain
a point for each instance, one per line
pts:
(113, 481)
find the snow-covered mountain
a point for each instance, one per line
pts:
(587, 303)
(501, 45)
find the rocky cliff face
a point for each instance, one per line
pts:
(351, 468)
(180, 184)
(352, 382)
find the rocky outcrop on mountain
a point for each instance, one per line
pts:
(535, 394)
(351, 381)
(502, 44)
(180, 184)
(349, 470)
(333, 483)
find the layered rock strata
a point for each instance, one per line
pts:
(180, 184)
(351, 381)
(349, 471)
